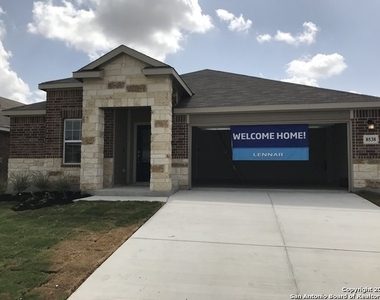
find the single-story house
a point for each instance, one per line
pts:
(127, 118)
(4, 134)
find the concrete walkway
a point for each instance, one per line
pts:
(246, 244)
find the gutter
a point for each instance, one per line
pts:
(273, 108)
(6, 129)
(24, 113)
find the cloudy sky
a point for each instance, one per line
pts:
(330, 44)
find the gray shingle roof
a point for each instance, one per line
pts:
(218, 89)
(65, 83)
(221, 89)
(6, 104)
(34, 106)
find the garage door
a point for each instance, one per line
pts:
(212, 161)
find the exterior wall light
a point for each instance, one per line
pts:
(371, 125)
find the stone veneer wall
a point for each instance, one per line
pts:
(180, 145)
(108, 172)
(180, 173)
(366, 158)
(124, 85)
(53, 166)
(50, 165)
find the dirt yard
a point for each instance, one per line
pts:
(76, 259)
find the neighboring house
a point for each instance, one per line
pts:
(127, 118)
(4, 134)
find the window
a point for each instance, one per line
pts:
(72, 141)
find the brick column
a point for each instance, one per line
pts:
(366, 158)
(91, 175)
(161, 144)
(180, 145)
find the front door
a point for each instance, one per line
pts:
(143, 153)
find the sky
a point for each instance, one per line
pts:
(328, 44)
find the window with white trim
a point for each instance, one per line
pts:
(72, 141)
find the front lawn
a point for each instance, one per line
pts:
(47, 253)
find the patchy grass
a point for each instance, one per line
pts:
(371, 196)
(47, 253)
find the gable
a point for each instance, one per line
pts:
(122, 49)
(131, 63)
(6, 104)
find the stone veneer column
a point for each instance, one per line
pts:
(366, 173)
(125, 86)
(91, 175)
(161, 144)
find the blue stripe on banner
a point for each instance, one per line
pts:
(266, 154)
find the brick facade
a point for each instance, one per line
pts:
(27, 137)
(4, 153)
(42, 136)
(37, 141)
(360, 128)
(180, 137)
(60, 105)
(180, 154)
(108, 132)
(366, 158)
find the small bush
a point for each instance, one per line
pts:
(41, 180)
(35, 202)
(63, 184)
(3, 185)
(20, 181)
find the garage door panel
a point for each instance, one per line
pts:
(212, 161)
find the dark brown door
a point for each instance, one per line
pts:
(143, 153)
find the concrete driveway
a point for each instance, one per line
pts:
(246, 244)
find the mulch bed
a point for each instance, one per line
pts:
(37, 200)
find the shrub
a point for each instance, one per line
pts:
(41, 180)
(34, 202)
(20, 181)
(62, 184)
(3, 185)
